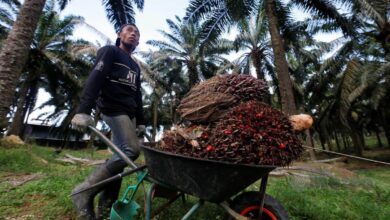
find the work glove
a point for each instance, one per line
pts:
(81, 121)
(141, 129)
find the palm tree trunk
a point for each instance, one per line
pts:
(255, 57)
(156, 100)
(172, 109)
(387, 134)
(385, 124)
(357, 142)
(347, 142)
(31, 98)
(362, 139)
(330, 143)
(285, 85)
(192, 74)
(15, 51)
(21, 110)
(337, 141)
(24, 104)
(321, 139)
(309, 141)
(378, 138)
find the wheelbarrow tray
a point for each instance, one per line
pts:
(213, 181)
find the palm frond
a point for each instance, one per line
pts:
(373, 13)
(240, 9)
(6, 17)
(121, 12)
(162, 45)
(104, 37)
(139, 4)
(334, 64)
(348, 84)
(326, 10)
(170, 37)
(221, 46)
(81, 50)
(63, 3)
(174, 27)
(152, 78)
(380, 93)
(216, 23)
(198, 9)
(11, 2)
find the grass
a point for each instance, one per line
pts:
(371, 142)
(365, 197)
(327, 198)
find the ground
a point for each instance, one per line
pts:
(34, 184)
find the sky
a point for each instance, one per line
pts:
(149, 21)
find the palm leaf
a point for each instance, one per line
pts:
(198, 9)
(372, 12)
(326, 10)
(121, 12)
(348, 84)
(80, 21)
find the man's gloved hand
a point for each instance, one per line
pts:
(81, 121)
(141, 129)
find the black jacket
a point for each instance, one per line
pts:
(114, 85)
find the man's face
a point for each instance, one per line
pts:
(130, 36)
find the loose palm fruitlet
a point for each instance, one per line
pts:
(250, 133)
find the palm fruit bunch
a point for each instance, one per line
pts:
(244, 131)
(210, 100)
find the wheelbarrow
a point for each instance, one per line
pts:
(209, 181)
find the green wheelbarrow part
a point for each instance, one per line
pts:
(126, 208)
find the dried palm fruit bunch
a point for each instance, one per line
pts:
(212, 99)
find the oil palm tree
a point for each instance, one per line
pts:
(253, 37)
(14, 52)
(186, 45)
(167, 81)
(49, 66)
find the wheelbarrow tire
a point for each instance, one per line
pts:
(247, 204)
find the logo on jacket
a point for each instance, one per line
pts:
(99, 66)
(131, 76)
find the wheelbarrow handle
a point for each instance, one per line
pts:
(108, 180)
(113, 147)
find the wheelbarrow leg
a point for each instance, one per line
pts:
(148, 202)
(263, 186)
(231, 212)
(192, 210)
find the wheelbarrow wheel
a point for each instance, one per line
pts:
(248, 204)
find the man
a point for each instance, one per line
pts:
(113, 85)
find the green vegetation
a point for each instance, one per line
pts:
(363, 198)
(366, 196)
(47, 197)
